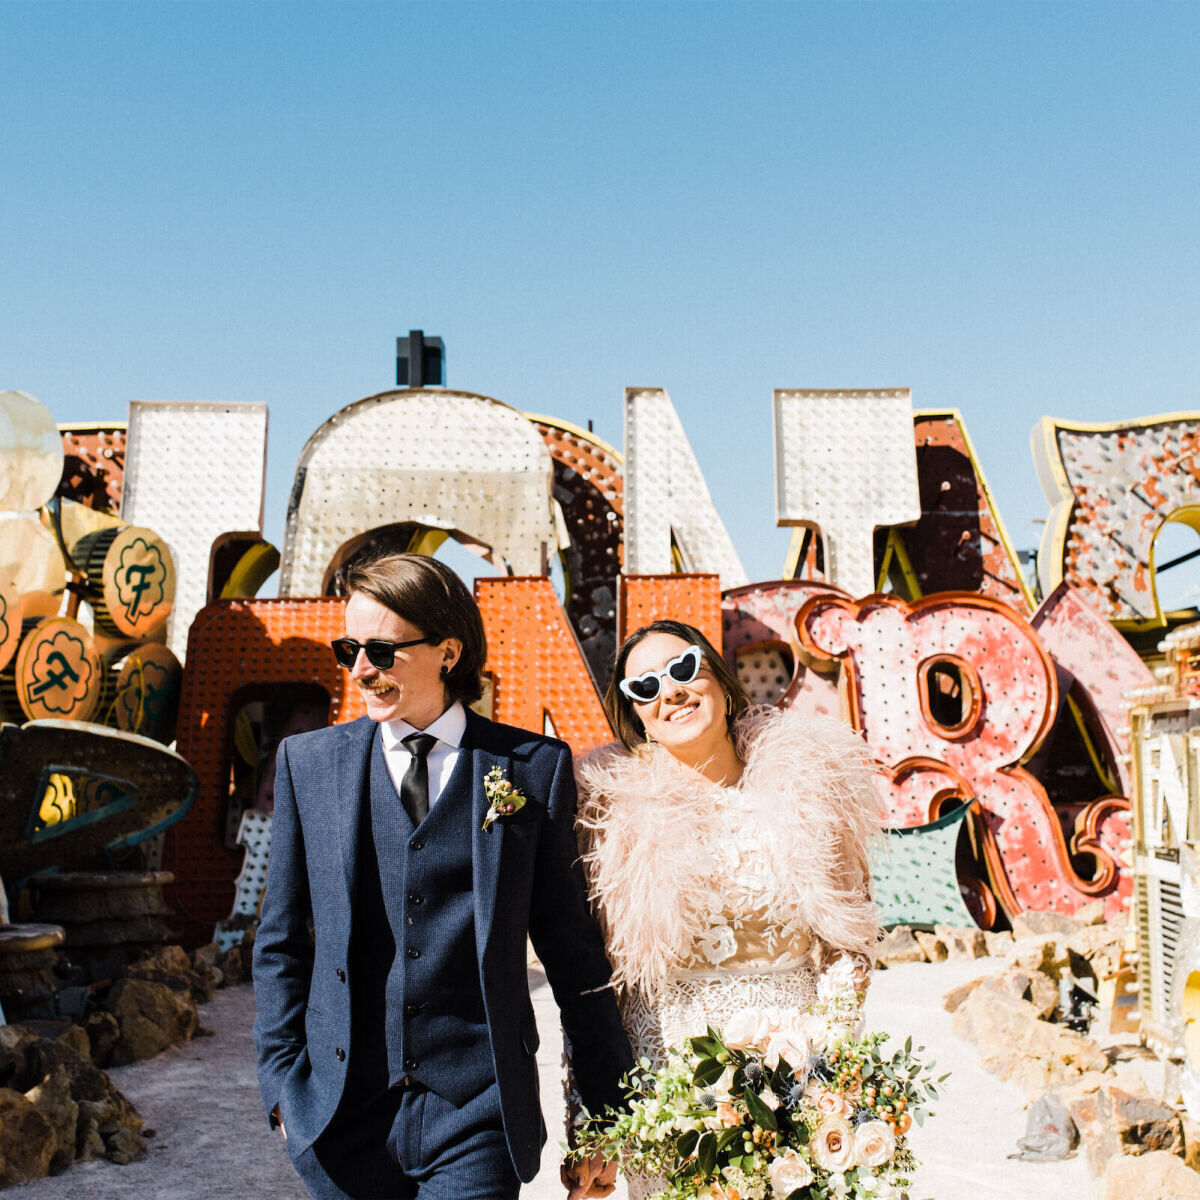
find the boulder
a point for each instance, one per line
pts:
(1042, 993)
(103, 1030)
(206, 963)
(1044, 924)
(235, 965)
(962, 943)
(1091, 913)
(76, 1037)
(1191, 1141)
(171, 966)
(899, 946)
(1113, 1120)
(89, 1145)
(27, 1141)
(1153, 1176)
(931, 945)
(1044, 954)
(52, 1098)
(1100, 946)
(1015, 1044)
(152, 1016)
(1038, 989)
(955, 998)
(998, 944)
(124, 1146)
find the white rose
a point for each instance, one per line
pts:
(874, 1144)
(816, 1032)
(877, 1187)
(745, 1029)
(788, 1172)
(790, 1044)
(833, 1144)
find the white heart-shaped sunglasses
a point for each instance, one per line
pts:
(683, 668)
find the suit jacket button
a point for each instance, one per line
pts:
(411, 1010)
(414, 898)
(341, 975)
(414, 953)
(341, 1054)
(416, 844)
(411, 1064)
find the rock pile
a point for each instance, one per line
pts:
(1030, 1023)
(57, 1105)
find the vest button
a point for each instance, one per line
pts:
(414, 953)
(413, 898)
(416, 844)
(341, 1054)
(411, 1010)
(341, 975)
(411, 1064)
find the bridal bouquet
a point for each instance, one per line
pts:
(777, 1105)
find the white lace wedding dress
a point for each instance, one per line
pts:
(744, 957)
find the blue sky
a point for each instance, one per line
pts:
(993, 204)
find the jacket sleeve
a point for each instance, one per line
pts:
(283, 948)
(569, 944)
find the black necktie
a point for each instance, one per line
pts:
(414, 787)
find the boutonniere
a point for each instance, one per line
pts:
(503, 799)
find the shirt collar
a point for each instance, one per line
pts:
(448, 728)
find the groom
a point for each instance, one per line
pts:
(395, 1034)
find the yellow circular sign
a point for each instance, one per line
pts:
(58, 672)
(132, 579)
(10, 622)
(147, 700)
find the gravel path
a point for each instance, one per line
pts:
(212, 1141)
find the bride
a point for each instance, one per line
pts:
(725, 848)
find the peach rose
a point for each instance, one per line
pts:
(833, 1144)
(874, 1144)
(788, 1172)
(728, 1115)
(828, 1103)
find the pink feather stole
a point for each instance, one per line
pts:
(646, 823)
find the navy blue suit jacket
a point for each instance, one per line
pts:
(527, 880)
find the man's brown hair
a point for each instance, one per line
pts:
(429, 595)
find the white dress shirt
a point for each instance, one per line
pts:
(448, 729)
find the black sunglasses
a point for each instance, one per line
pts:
(380, 654)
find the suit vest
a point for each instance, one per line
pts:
(417, 1002)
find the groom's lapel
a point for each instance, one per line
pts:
(350, 761)
(485, 844)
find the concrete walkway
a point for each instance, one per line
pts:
(212, 1142)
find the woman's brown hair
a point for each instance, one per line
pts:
(429, 595)
(620, 709)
